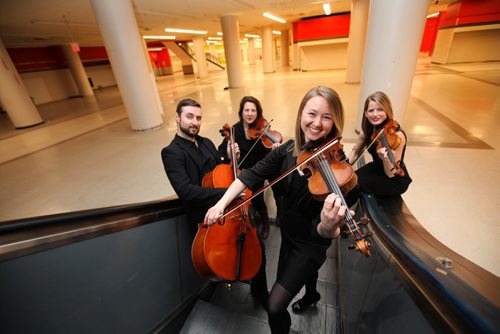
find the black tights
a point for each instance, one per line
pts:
(279, 318)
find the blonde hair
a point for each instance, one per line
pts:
(383, 101)
(336, 108)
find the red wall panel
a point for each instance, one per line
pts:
(430, 35)
(333, 26)
(28, 59)
(469, 12)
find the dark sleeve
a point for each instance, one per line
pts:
(265, 169)
(177, 173)
(222, 149)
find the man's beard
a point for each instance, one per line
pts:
(188, 132)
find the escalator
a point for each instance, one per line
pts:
(128, 269)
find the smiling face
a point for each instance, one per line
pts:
(375, 113)
(249, 113)
(317, 119)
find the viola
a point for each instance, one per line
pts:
(329, 172)
(388, 138)
(261, 129)
(229, 250)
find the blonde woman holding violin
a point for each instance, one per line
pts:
(386, 175)
(250, 113)
(308, 225)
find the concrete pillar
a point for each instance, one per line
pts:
(285, 48)
(14, 96)
(201, 61)
(231, 38)
(251, 51)
(128, 60)
(267, 49)
(77, 71)
(393, 39)
(357, 37)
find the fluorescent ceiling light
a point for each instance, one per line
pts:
(272, 17)
(215, 38)
(158, 37)
(432, 15)
(326, 8)
(252, 36)
(186, 31)
(155, 49)
(276, 32)
(219, 33)
(63, 23)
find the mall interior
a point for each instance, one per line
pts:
(88, 154)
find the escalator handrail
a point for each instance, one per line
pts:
(462, 302)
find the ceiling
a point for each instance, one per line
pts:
(50, 22)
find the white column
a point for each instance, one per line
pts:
(231, 38)
(393, 39)
(199, 52)
(285, 48)
(251, 51)
(124, 46)
(14, 96)
(357, 37)
(77, 71)
(267, 49)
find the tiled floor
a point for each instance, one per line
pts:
(86, 156)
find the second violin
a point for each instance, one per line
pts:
(262, 130)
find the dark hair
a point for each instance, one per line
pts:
(383, 101)
(185, 103)
(253, 100)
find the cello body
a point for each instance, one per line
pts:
(229, 250)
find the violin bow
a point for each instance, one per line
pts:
(367, 147)
(260, 136)
(281, 177)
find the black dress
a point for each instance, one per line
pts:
(373, 180)
(258, 153)
(302, 250)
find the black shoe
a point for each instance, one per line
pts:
(305, 302)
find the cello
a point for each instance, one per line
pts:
(229, 250)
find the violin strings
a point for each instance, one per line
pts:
(331, 181)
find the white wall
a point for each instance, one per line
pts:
(323, 55)
(467, 44)
(55, 85)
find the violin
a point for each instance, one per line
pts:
(388, 138)
(328, 172)
(261, 129)
(229, 250)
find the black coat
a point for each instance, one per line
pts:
(185, 165)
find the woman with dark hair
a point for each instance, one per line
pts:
(381, 176)
(308, 225)
(250, 111)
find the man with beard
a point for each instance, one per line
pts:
(186, 160)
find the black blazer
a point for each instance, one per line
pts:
(185, 169)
